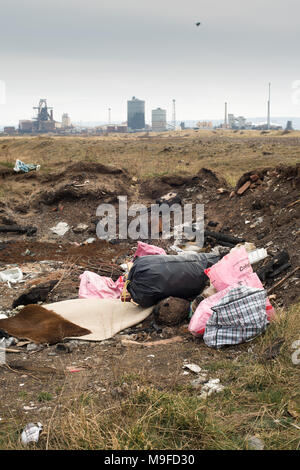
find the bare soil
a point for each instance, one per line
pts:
(267, 214)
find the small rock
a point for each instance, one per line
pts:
(171, 311)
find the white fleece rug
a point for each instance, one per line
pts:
(103, 317)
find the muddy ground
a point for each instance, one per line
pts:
(267, 214)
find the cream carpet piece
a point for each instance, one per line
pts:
(103, 317)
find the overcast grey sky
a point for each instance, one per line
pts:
(87, 56)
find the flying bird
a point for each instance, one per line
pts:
(198, 24)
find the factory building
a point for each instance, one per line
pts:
(65, 121)
(135, 114)
(239, 122)
(43, 122)
(159, 120)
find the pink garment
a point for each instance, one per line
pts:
(144, 249)
(204, 310)
(231, 269)
(93, 285)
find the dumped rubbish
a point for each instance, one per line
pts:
(199, 380)
(88, 319)
(35, 294)
(12, 275)
(233, 270)
(31, 433)
(212, 386)
(29, 231)
(60, 229)
(192, 367)
(170, 198)
(21, 167)
(257, 255)
(171, 311)
(40, 325)
(238, 317)
(154, 278)
(89, 240)
(275, 266)
(144, 249)
(92, 285)
(80, 228)
(222, 238)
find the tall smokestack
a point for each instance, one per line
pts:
(226, 117)
(269, 108)
(174, 115)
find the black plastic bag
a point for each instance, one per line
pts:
(155, 277)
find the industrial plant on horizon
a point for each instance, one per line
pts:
(44, 121)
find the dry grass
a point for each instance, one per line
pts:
(149, 155)
(261, 399)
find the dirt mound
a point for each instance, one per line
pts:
(159, 186)
(280, 173)
(72, 193)
(92, 167)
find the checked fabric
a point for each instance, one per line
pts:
(238, 317)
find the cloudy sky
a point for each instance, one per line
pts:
(87, 56)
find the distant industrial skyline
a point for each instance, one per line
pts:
(87, 57)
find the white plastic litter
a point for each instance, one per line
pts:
(60, 229)
(90, 240)
(21, 167)
(192, 367)
(212, 386)
(31, 433)
(12, 275)
(3, 316)
(257, 255)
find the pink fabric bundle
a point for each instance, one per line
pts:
(93, 285)
(144, 249)
(231, 271)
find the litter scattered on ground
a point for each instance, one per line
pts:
(21, 167)
(31, 433)
(60, 229)
(12, 275)
(192, 367)
(211, 387)
(255, 443)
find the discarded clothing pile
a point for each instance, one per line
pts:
(21, 167)
(154, 278)
(239, 310)
(86, 319)
(93, 285)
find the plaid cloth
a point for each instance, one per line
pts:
(239, 316)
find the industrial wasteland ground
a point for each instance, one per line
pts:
(153, 385)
